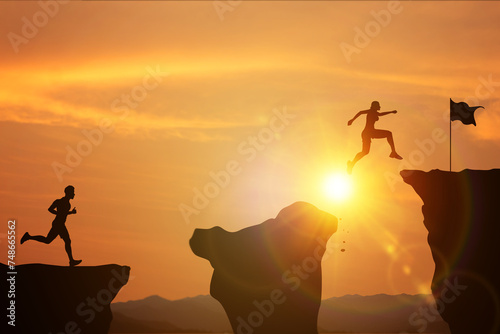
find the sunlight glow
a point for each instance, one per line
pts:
(338, 187)
(407, 269)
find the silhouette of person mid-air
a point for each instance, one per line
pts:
(369, 132)
(61, 208)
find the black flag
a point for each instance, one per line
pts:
(462, 112)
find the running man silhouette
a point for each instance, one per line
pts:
(61, 208)
(369, 132)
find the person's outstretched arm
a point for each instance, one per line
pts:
(357, 115)
(52, 208)
(387, 113)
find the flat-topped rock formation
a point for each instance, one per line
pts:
(53, 299)
(462, 214)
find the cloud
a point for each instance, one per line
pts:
(56, 114)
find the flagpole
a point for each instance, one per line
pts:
(450, 143)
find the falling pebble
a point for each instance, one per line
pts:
(343, 241)
(342, 250)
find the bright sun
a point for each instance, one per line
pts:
(338, 186)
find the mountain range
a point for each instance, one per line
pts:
(349, 313)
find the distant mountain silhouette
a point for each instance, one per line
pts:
(380, 314)
(201, 313)
(268, 276)
(53, 299)
(462, 214)
(124, 324)
(350, 313)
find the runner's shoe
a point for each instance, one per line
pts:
(395, 156)
(73, 263)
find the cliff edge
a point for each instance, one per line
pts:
(462, 214)
(47, 299)
(268, 276)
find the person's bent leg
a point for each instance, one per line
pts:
(67, 242)
(25, 238)
(365, 151)
(67, 246)
(359, 156)
(385, 134)
(388, 134)
(390, 140)
(46, 240)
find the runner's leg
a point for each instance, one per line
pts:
(364, 151)
(48, 239)
(64, 234)
(385, 134)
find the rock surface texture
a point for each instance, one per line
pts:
(52, 299)
(268, 276)
(462, 214)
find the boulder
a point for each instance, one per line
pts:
(268, 276)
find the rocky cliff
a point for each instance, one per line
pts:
(462, 214)
(48, 299)
(268, 276)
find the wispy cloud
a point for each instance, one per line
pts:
(59, 114)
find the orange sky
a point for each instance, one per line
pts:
(219, 81)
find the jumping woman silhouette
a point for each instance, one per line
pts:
(369, 132)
